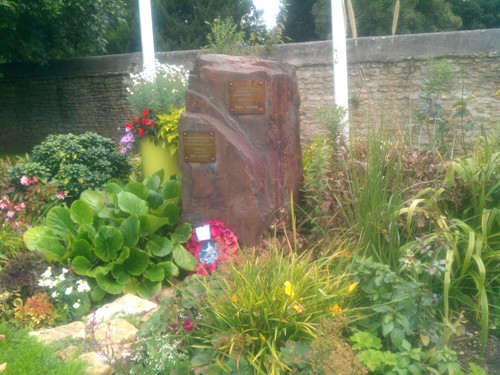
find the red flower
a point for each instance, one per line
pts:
(140, 131)
(145, 112)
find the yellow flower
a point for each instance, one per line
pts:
(262, 337)
(288, 289)
(352, 288)
(234, 298)
(298, 307)
(335, 309)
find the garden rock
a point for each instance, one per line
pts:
(240, 150)
(95, 365)
(75, 331)
(127, 305)
(115, 337)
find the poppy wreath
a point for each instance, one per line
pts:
(222, 245)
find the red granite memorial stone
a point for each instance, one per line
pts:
(240, 143)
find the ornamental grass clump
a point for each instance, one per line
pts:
(268, 302)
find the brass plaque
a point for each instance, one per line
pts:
(199, 146)
(247, 97)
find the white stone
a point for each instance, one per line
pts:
(75, 330)
(127, 305)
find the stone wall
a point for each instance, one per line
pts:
(385, 85)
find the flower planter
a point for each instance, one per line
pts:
(155, 157)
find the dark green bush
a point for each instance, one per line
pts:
(75, 162)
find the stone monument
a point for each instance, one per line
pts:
(240, 151)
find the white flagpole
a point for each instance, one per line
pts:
(340, 88)
(148, 48)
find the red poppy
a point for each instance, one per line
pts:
(223, 245)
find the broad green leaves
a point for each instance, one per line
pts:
(125, 238)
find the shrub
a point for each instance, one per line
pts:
(37, 312)
(75, 162)
(21, 273)
(125, 238)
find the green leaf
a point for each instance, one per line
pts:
(81, 265)
(154, 273)
(172, 189)
(182, 233)
(397, 337)
(113, 188)
(94, 199)
(107, 242)
(159, 246)
(124, 254)
(81, 213)
(387, 328)
(173, 212)
(82, 248)
(153, 182)
(150, 223)
(132, 204)
(147, 288)
(154, 199)
(96, 293)
(59, 220)
(86, 232)
(138, 189)
(120, 274)
(184, 259)
(170, 269)
(107, 283)
(130, 230)
(44, 240)
(137, 262)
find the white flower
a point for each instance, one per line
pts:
(54, 294)
(61, 277)
(68, 291)
(65, 270)
(47, 273)
(76, 305)
(82, 286)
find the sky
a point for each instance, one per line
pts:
(271, 9)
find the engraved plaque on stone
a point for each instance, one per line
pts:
(247, 97)
(199, 146)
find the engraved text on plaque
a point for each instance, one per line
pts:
(247, 97)
(199, 146)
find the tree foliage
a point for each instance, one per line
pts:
(38, 30)
(311, 19)
(185, 24)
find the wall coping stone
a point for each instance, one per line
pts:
(380, 48)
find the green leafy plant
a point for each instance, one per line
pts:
(168, 129)
(74, 162)
(125, 238)
(224, 37)
(334, 120)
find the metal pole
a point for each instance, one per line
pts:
(148, 48)
(340, 87)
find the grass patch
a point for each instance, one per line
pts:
(24, 355)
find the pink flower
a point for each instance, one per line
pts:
(61, 195)
(34, 180)
(17, 207)
(25, 181)
(10, 214)
(188, 326)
